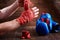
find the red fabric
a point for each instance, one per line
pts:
(26, 16)
(45, 20)
(25, 34)
(42, 19)
(27, 4)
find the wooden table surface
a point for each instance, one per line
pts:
(16, 35)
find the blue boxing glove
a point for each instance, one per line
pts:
(44, 24)
(56, 27)
(42, 28)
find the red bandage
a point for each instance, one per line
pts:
(25, 34)
(27, 4)
(22, 19)
(25, 17)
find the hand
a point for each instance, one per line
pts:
(28, 15)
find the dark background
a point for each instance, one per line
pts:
(51, 6)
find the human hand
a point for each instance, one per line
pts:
(28, 15)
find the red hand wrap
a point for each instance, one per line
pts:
(27, 4)
(22, 19)
(26, 34)
(27, 15)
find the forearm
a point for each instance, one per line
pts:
(10, 9)
(9, 26)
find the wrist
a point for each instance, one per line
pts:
(21, 20)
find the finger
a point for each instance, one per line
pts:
(36, 10)
(36, 16)
(36, 13)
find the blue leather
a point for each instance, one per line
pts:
(42, 27)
